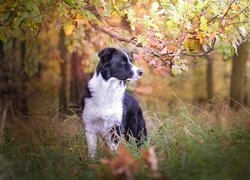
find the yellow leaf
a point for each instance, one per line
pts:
(159, 35)
(203, 25)
(132, 25)
(68, 29)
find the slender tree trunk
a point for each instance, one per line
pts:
(1, 51)
(63, 68)
(24, 100)
(246, 92)
(199, 87)
(76, 78)
(2, 73)
(238, 76)
(210, 83)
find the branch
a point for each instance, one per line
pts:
(201, 54)
(116, 36)
(240, 12)
(228, 8)
(242, 22)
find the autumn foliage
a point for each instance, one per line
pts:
(166, 31)
(124, 165)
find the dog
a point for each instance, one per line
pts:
(108, 110)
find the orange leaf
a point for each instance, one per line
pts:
(171, 48)
(123, 165)
(150, 157)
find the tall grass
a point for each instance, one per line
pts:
(190, 143)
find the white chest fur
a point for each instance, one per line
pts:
(104, 109)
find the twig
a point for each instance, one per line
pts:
(228, 8)
(242, 22)
(247, 6)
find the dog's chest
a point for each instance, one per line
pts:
(105, 108)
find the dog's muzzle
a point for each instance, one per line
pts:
(137, 73)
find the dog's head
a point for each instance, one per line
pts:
(118, 64)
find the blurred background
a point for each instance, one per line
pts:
(57, 71)
(197, 107)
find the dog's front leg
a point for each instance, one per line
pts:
(112, 139)
(92, 142)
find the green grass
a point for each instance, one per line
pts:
(189, 143)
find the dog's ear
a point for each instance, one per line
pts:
(106, 52)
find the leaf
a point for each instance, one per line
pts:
(159, 35)
(69, 2)
(151, 160)
(203, 25)
(179, 66)
(2, 35)
(142, 39)
(132, 25)
(192, 44)
(155, 6)
(175, 70)
(68, 29)
(90, 15)
(123, 165)
(201, 38)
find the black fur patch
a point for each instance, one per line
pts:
(114, 63)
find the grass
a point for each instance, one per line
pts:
(190, 143)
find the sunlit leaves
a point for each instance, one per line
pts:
(190, 26)
(154, 7)
(179, 66)
(68, 29)
(203, 24)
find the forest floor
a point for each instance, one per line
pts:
(189, 143)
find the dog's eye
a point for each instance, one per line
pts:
(124, 61)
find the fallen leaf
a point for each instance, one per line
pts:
(151, 160)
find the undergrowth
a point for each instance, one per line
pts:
(190, 143)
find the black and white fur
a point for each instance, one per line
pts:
(108, 110)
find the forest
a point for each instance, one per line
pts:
(194, 91)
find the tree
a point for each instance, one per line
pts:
(210, 83)
(166, 30)
(63, 68)
(237, 86)
(76, 79)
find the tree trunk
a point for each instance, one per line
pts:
(210, 83)
(238, 76)
(76, 79)
(246, 100)
(63, 68)
(24, 101)
(2, 74)
(1, 51)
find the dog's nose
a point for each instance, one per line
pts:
(139, 72)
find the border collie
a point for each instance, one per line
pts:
(108, 110)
